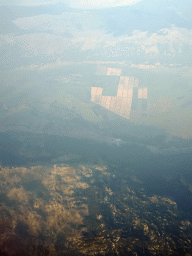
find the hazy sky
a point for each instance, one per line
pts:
(72, 3)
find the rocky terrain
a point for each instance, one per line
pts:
(86, 210)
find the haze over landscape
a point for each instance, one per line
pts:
(96, 127)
